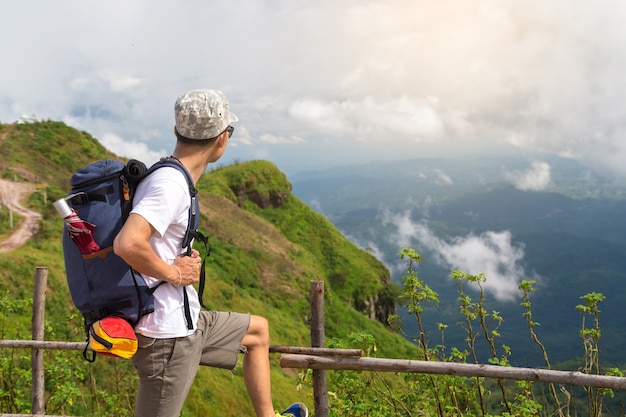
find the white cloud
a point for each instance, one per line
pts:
(322, 115)
(268, 138)
(406, 228)
(316, 205)
(371, 119)
(536, 178)
(118, 81)
(443, 178)
(368, 246)
(491, 253)
(78, 83)
(131, 149)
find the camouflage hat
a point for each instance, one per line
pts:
(202, 114)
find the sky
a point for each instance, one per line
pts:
(322, 83)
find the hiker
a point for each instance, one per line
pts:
(172, 344)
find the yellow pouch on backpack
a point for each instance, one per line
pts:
(113, 336)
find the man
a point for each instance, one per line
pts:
(171, 347)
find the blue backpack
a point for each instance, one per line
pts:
(101, 283)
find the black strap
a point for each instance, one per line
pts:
(83, 198)
(99, 339)
(138, 292)
(187, 309)
(203, 239)
(200, 237)
(108, 310)
(91, 359)
(153, 289)
(201, 283)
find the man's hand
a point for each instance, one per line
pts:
(188, 269)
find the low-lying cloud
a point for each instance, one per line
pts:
(492, 253)
(536, 178)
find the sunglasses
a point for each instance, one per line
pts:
(230, 131)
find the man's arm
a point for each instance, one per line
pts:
(131, 244)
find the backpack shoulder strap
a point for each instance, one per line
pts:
(170, 161)
(194, 208)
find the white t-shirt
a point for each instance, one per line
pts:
(163, 200)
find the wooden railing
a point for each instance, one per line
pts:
(317, 357)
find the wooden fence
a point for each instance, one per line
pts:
(317, 357)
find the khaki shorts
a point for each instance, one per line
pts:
(167, 367)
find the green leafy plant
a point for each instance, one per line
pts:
(591, 338)
(377, 394)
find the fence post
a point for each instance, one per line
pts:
(320, 391)
(39, 301)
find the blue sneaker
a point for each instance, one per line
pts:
(296, 410)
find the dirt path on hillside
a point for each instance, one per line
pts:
(11, 194)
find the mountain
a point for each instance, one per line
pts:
(267, 245)
(545, 218)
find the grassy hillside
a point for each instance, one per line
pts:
(266, 247)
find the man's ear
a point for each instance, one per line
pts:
(222, 140)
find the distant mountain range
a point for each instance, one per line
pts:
(550, 219)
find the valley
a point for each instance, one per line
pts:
(565, 231)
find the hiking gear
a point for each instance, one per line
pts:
(112, 336)
(296, 410)
(101, 283)
(80, 231)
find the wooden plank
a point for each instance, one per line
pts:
(40, 344)
(30, 415)
(317, 351)
(37, 397)
(59, 345)
(320, 390)
(288, 360)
